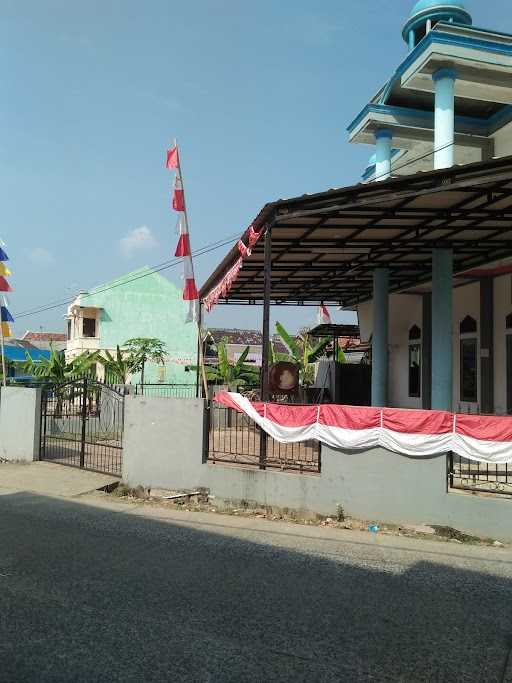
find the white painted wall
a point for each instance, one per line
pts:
(503, 141)
(466, 301)
(405, 310)
(20, 423)
(365, 320)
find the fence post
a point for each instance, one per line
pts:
(84, 421)
(267, 290)
(206, 430)
(450, 469)
(42, 429)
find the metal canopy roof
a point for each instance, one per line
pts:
(331, 330)
(325, 246)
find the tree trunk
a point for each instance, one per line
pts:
(142, 375)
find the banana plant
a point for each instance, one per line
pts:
(302, 352)
(232, 374)
(56, 369)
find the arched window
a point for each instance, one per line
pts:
(415, 362)
(468, 360)
(468, 325)
(414, 333)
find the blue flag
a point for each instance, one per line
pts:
(6, 316)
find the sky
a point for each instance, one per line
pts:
(259, 96)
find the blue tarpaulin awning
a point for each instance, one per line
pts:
(17, 354)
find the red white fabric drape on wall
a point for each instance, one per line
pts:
(418, 433)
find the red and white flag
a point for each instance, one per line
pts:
(183, 246)
(178, 196)
(189, 285)
(323, 316)
(173, 158)
(183, 249)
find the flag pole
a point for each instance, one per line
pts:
(182, 186)
(198, 323)
(4, 380)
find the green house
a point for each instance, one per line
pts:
(142, 303)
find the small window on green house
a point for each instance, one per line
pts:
(89, 327)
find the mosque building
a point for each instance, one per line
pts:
(448, 103)
(421, 250)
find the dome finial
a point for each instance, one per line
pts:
(426, 13)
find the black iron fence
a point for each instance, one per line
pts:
(235, 439)
(82, 425)
(478, 476)
(166, 390)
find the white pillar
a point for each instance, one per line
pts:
(444, 123)
(383, 139)
(412, 39)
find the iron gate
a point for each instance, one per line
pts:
(82, 425)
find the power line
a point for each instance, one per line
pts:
(200, 252)
(414, 160)
(155, 269)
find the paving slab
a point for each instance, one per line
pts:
(51, 479)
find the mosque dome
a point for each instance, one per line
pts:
(433, 11)
(423, 5)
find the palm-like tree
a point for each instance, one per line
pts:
(144, 349)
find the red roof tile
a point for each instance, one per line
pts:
(45, 336)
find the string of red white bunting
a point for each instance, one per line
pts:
(222, 288)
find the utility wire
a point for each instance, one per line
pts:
(415, 159)
(121, 282)
(204, 250)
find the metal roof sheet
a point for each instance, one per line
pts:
(325, 246)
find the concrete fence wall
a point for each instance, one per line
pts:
(164, 448)
(20, 420)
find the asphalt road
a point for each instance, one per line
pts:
(110, 592)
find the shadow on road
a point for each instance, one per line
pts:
(89, 594)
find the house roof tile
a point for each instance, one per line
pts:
(44, 336)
